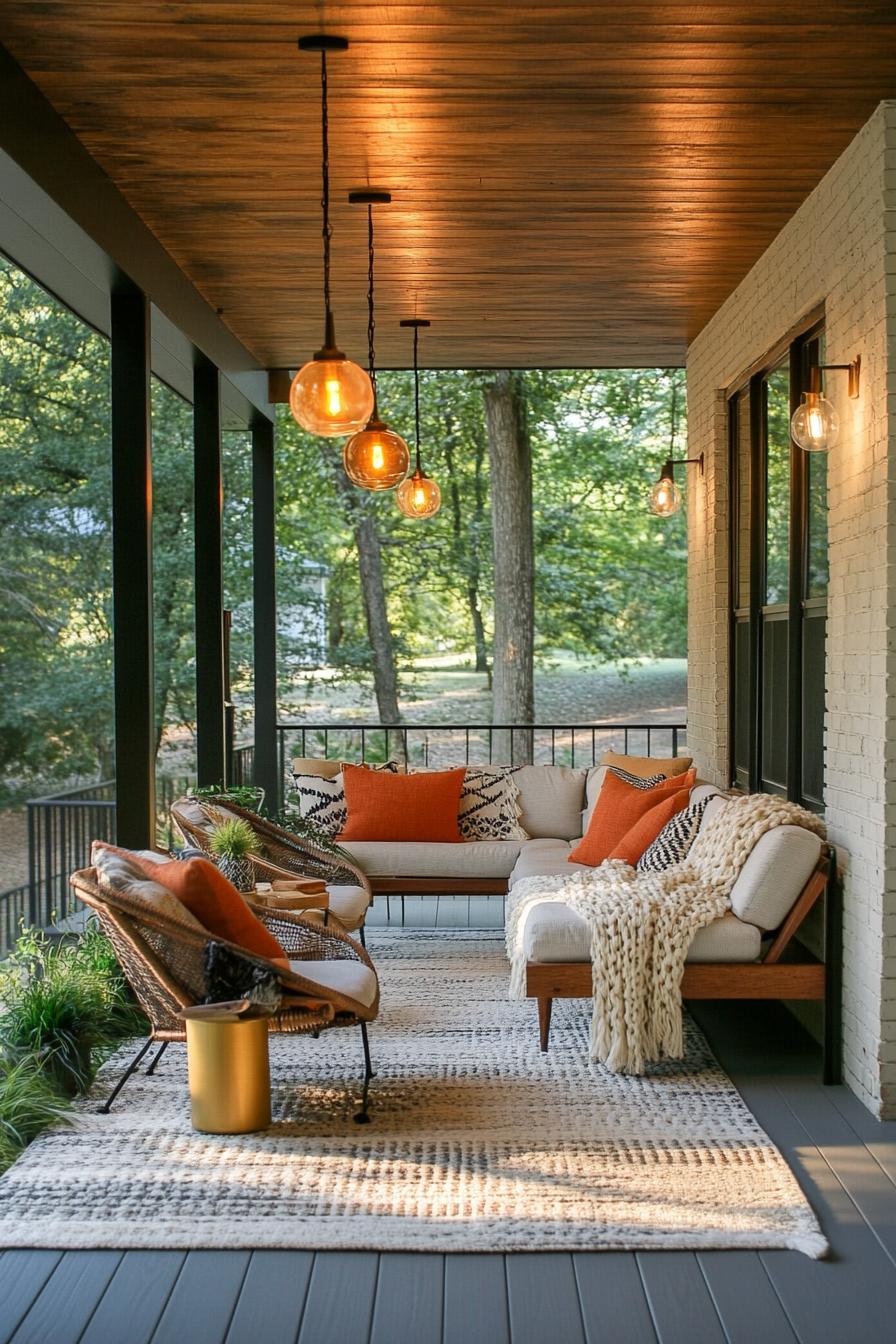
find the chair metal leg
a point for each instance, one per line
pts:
(402, 909)
(362, 937)
(362, 1117)
(156, 1057)
(132, 1067)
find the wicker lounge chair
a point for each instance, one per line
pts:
(284, 854)
(163, 959)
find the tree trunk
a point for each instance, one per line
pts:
(373, 593)
(466, 547)
(510, 458)
(482, 662)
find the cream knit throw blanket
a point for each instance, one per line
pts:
(642, 925)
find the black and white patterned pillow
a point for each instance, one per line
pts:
(489, 807)
(636, 781)
(674, 841)
(322, 801)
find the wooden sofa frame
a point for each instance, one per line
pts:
(786, 971)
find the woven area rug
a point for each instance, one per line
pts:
(478, 1142)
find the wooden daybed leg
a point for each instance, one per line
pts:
(544, 1021)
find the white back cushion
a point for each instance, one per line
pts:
(774, 875)
(551, 798)
(716, 802)
(596, 776)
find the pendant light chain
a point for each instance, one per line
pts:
(325, 178)
(330, 396)
(417, 401)
(371, 320)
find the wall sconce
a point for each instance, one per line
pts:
(665, 497)
(815, 423)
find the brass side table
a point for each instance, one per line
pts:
(228, 1070)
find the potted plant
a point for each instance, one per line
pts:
(233, 843)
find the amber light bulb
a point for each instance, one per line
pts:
(665, 497)
(376, 458)
(331, 396)
(419, 496)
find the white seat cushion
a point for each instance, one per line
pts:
(774, 875)
(726, 939)
(551, 798)
(544, 858)
(404, 858)
(351, 978)
(552, 932)
(349, 905)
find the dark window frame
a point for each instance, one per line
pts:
(754, 719)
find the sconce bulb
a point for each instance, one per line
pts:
(815, 424)
(665, 497)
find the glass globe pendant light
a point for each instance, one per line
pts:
(376, 458)
(330, 395)
(419, 496)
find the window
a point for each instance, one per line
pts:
(779, 578)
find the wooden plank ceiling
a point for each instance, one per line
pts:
(574, 184)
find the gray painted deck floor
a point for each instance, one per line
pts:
(845, 1161)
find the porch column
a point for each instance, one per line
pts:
(211, 753)
(264, 596)
(132, 567)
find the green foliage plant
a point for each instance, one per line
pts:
(248, 795)
(234, 839)
(65, 1004)
(28, 1103)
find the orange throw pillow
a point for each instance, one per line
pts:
(217, 904)
(645, 831)
(619, 806)
(382, 806)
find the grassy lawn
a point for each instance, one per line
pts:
(439, 690)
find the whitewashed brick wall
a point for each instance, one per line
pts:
(839, 249)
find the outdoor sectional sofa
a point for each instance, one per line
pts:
(750, 953)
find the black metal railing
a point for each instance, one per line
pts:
(61, 829)
(242, 765)
(443, 744)
(13, 914)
